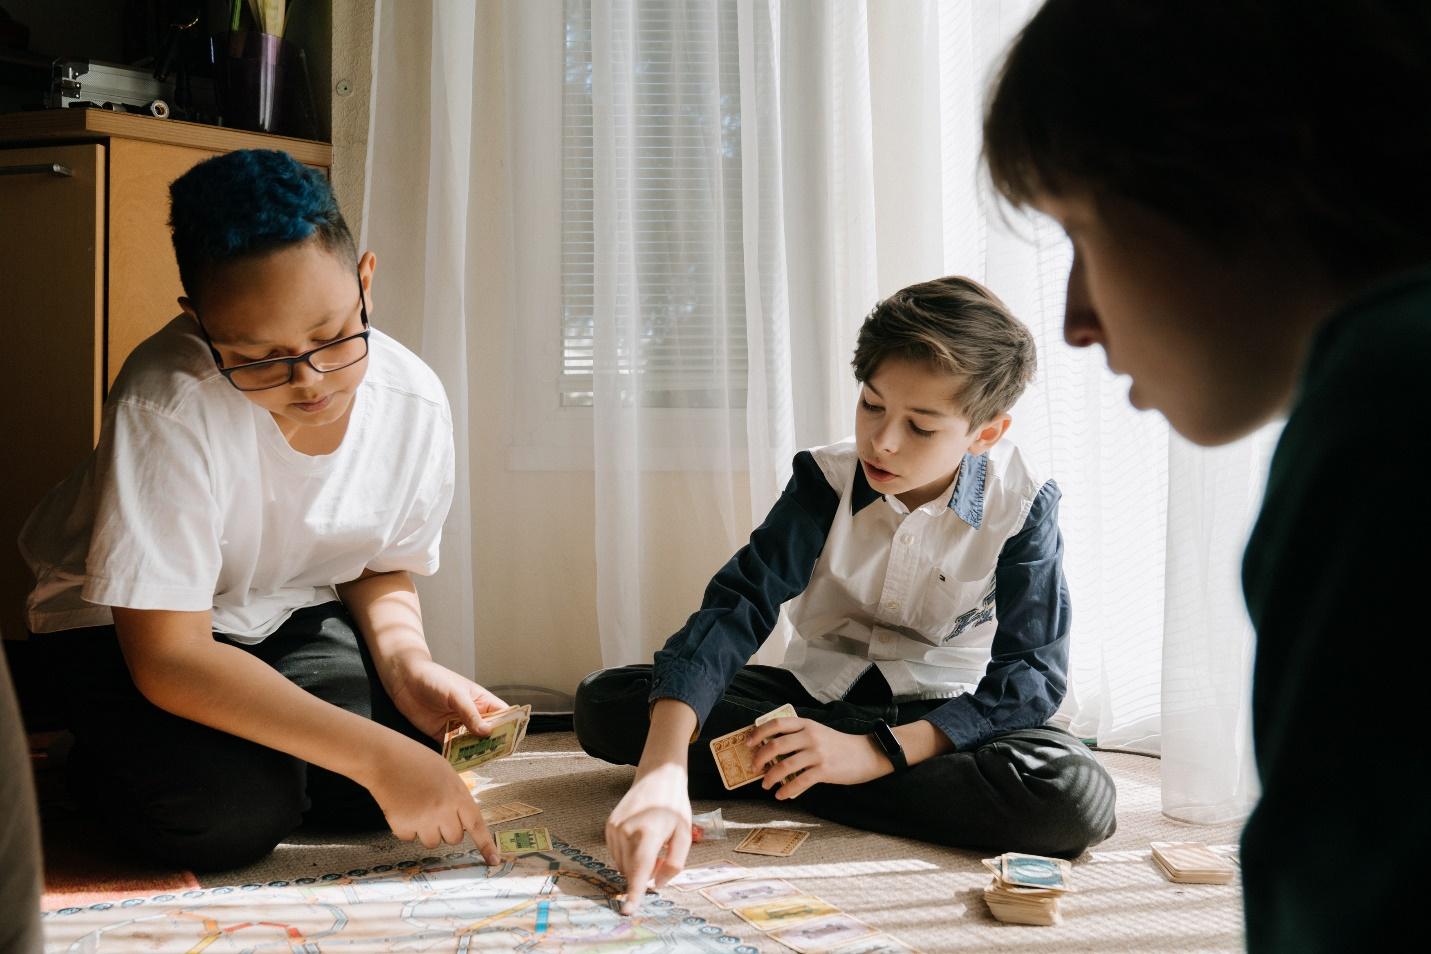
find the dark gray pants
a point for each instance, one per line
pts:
(194, 797)
(1039, 791)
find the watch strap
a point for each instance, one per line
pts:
(889, 744)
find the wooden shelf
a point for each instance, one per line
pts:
(49, 125)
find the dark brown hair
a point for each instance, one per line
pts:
(958, 326)
(1281, 121)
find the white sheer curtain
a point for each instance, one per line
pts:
(676, 215)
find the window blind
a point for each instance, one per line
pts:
(681, 342)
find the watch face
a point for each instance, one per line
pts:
(889, 744)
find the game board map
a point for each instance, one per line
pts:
(562, 901)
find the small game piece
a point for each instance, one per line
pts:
(708, 826)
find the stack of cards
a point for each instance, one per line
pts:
(1189, 862)
(463, 750)
(734, 759)
(1026, 888)
(788, 914)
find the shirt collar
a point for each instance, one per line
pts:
(967, 500)
(968, 497)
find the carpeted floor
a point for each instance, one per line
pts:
(929, 897)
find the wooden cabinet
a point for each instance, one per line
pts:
(87, 272)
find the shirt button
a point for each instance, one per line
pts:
(907, 539)
(892, 604)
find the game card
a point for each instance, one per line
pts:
(822, 934)
(734, 759)
(878, 944)
(1035, 871)
(779, 914)
(777, 842)
(742, 894)
(717, 872)
(786, 711)
(521, 841)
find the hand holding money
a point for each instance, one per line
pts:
(430, 695)
(506, 729)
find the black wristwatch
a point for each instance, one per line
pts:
(889, 744)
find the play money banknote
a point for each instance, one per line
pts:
(464, 751)
(521, 841)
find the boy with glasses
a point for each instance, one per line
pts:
(233, 565)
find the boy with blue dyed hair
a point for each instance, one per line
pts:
(920, 566)
(232, 567)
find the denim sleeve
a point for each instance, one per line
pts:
(743, 600)
(1028, 672)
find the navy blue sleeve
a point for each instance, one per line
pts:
(742, 602)
(1028, 672)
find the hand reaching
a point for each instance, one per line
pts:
(653, 818)
(424, 800)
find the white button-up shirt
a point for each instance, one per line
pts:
(962, 598)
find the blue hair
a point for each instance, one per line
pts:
(250, 202)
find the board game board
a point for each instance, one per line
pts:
(545, 901)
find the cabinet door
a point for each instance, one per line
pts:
(143, 276)
(51, 275)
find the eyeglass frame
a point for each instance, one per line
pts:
(292, 362)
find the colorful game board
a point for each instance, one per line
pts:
(560, 901)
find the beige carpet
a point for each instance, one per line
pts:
(929, 897)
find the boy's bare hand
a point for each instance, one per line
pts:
(429, 694)
(425, 801)
(813, 753)
(649, 832)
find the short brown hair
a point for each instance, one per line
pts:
(955, 325)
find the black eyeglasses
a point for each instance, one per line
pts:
(276, 372)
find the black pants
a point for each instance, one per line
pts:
(191, 796)
(1039, 791)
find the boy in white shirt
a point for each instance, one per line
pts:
(923, 565)
(233, 563)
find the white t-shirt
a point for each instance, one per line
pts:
(194, 500)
